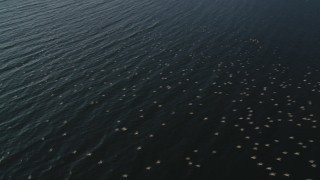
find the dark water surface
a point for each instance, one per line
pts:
(150, 89)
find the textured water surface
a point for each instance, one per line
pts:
(150, 89)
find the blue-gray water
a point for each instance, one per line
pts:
(159, 89)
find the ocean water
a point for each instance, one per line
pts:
(160, 90)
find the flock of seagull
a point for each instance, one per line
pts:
(263, 112)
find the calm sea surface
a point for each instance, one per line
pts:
(160, 89)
